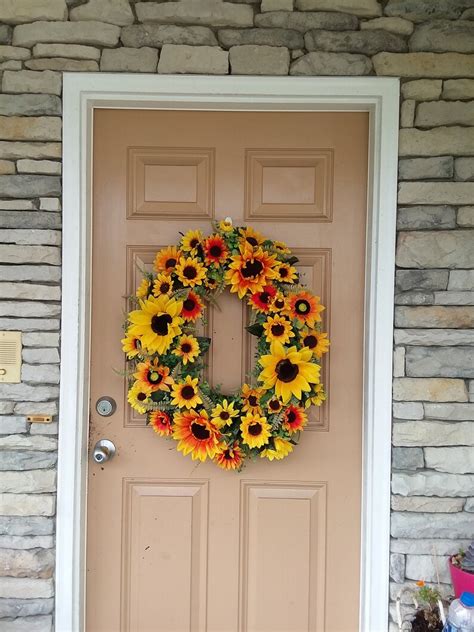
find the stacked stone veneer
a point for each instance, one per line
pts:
(428, 43)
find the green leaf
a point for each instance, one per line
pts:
(255, 329)
(292, 260)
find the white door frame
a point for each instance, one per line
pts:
(83, 93)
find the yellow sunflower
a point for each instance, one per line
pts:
(274, 405)
(190, 271)
(166, 259)
(229, 457)
(160, 421)
(281, 247)
(278, 328)
(250, 270)
(196, 434)
(318, 398)
(139, 397)
(154, 375)
(130, 345)
(251, 398)
(288, 371)
(186, 394)
(163, 284)
(226, 226)
(143, 289)
(187, 348)
(157, 322)
(222, 414)
(286, 273)
(281, 448)
(191, 240)
(315, 340)
(305, 307)
(250, 236)
(255, 430)
(280, 304)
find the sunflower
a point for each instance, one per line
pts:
(191, 240)
(190, 271)
(187, 348)
(289, 371)
(225, 225)
(163, 284)
(306, 308)
(250, 271)
(255, 430)
(281, 247)
(160, 421)
(316, 341)
(166, 259)
(318, 398)
(278, 328)
(286, 273)
(251, 398)
(274, 405)
(223, 413)
(280, 304)
(215, 250)
(196, 434)
(186, 394)
(130, 345)
(143, 289)
(295, 419)
(250, 236)
(139, 397)
(281, 448)
(154, 375)
(192, 307)
(261, 301)
(229, 457)
(210, 282)
(157, 323)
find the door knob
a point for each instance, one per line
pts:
(104, 450)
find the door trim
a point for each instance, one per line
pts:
(85, 92)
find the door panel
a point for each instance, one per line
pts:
(174, 545)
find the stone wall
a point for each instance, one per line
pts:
(428, 43)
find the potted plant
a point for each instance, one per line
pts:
(429, 614)
(461, 567)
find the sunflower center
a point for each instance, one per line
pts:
(255, 429)
(265, 297)
(190, 272)
(194, 242)
(189, 304)
(302, 306)
(186, 347)
(154, 377)
(283, 272)
(253, 400)
(141, 397)
(215, 251)
(251, 269)
(252, 241)
(279, 303)
(200, 431)
(224, 415)
(227, 455)
(187, 392)
(170, 263)
(165, 287)
(310, 341)
(286, 371)
(291, 417)
(160, 324)
(274, 405)
(278, 330)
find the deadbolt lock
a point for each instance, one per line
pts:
(106, 406)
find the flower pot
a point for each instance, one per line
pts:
(462, 581)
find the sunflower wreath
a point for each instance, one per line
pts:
(165, 355)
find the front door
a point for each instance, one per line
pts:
(175, 546)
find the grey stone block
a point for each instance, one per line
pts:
(363, 42)
(262, 37)
(436, 249)
(259, 60)
(422, 10)
(406, 280)
(29, 186)
(444, 35)
(304, 21)
(407, 458)
(157, 35)
(322, 63)
(15, 460)
(438, 168)
(440, 362)
(426, 217)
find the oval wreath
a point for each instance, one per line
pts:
(165, 354)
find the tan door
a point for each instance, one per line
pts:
(174, 546)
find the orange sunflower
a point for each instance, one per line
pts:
(154, 375)
(250, 271)
(306, 308)
(166, 259)
(295, 419)
(215, 250)
(192, 307)
(261, 301)
(161, 423)
(250, 236)
(229, 457)
(196, 435)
